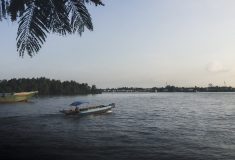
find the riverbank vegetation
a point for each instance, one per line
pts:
(46, 86)
(169, 88)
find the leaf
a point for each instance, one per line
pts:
(1, 15)
(3, 7)
(36, 18)
(17, 8)
(58, 21)
(32, 31)
(97, 2)
(80, 16)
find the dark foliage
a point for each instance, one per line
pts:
(172, 89)
(37, 18)
(46, 86)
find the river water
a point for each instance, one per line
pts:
(187, 126)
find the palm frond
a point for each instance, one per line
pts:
(80, 17)
(58, 21)
(36, 18)
(17, 8)
(32, 31)
(97, 2)
(1, 15)
(3, 8)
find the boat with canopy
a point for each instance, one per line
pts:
(82, 108)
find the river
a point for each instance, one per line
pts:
(184, 126)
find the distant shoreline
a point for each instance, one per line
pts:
(171, 89)
(46, 86)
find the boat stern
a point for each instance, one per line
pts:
(112, 105)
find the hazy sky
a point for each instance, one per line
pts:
(136, 43)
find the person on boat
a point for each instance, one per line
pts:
(76, 109)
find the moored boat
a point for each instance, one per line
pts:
(16, 97)
(77, 109)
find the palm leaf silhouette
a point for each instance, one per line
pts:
(58, 21)
(37, 18)
(80, 17)
(32, 30)
(3, 8)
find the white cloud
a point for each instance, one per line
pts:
(216, 67)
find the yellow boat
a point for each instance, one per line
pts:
(16, 97)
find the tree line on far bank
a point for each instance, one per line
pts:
(46, 86)
(172, 89)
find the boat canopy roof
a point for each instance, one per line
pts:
(77, 103)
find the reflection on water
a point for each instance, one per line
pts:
(150, 126)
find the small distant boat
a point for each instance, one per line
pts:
(16, 97)
(77, 109)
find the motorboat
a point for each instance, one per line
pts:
(16, 97)
(78, 108)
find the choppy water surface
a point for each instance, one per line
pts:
(152, 126)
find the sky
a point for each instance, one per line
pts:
(136, 43)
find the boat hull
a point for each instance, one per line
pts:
(16, 97)
(98, 110)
